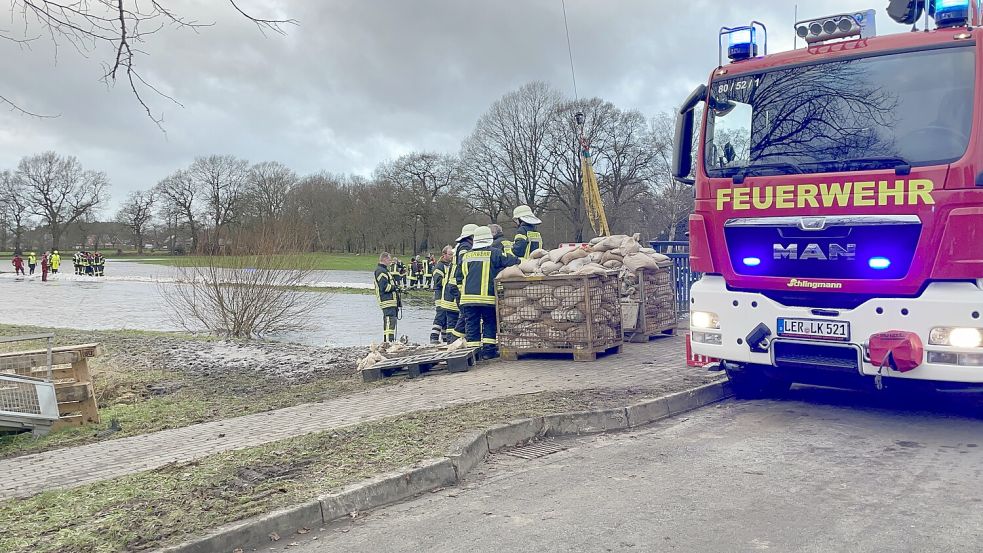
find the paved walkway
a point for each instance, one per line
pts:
(658, 363)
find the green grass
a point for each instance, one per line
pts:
(124, 381)
(179, 501)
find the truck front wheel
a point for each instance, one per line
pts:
(750, 382)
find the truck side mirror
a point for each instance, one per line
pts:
(682, 151)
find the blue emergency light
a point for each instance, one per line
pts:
(742, 42)
(951, 13)
(879, 263)
(752, 261)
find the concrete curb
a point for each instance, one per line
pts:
(433, 474)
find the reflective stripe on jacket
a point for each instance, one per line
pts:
(478, 270)
(527, 240)
(385, 290)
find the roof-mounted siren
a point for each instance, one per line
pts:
(844, 25)
(742, 42)
(950, 13)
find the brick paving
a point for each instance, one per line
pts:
(660, 363)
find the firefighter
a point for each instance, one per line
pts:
(414, 270)
(32, 262)
(427, 268)
(100, 264)
(462, 245)
(45, 265)
(445, 298)
(55, 262)
(18, 262)
(527, 238)
(477, 271)
(76, 264)
(387, 292)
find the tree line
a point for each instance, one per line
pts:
(523, 150)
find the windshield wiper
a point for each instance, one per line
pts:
(756, 168)
(899, 164)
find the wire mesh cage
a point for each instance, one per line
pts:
(559, 314)
(655, 295)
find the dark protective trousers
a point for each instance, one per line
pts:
(443, 323)
(480, 328)
(389, 324)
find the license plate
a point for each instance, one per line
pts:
(814, 328)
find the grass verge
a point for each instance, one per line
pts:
(134, 387)
(171, 504)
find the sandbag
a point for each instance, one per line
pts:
(528, 313)
(592, 269)
(577, 264)
(629, 246)
(638, 261)
(610, 256)
(548, 267)
(548, 303)
(538, 254)
(595, 241)
(510, 272)
(557, 254)
(595, 257)
(528, 266)
(609, 243)
(613, 264)
(515, 301)
(577, 253)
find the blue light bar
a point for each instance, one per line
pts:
(752, 261)
(879, 263)
(951, 13)
(741, 43)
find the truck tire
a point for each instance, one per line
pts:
(752, 383)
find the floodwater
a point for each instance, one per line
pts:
(129, 297)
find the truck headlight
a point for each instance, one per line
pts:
(957, 337)
(704, 320)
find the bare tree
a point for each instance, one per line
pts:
(509, 147)
(180, 200)
(249, 294)
(117, 27)
(673, 201)
(60, 191)
(269, 186)
(624, 156)
(13, 205)
(421, 180)
(136, 214)
(221, 180)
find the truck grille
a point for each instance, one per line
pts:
(835, 247)
(808, 355)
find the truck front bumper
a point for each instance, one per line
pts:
(942, 304)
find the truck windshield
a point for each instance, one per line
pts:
(912, 108)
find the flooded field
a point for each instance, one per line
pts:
(129, 297)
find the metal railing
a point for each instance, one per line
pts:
(27, 397)
(682, 277)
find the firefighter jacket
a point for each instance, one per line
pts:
(55, 261)
(32, 259)
(478, 270)
(527, 240)
(385, 289)
(445, 293)
(427, 267)
(462, 247)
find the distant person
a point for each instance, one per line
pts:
(99, 265)
(527, 238)
(387, 292)
(45, 266)
(18, 262)
(55, 262)
(427, 263)
(32, 261)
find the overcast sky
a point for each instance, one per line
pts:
(361, 81)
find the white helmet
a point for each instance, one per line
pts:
(483, 237)
(466, 231)
(524, 213)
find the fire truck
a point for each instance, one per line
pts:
(839, 202)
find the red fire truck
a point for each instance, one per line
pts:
(839, 202)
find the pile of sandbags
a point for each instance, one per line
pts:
(388, 350)
(559, 313)
(602, 255)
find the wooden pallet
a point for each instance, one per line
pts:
(77, 404)
(509, 354)
(415, 365)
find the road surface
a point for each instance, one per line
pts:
(824, 470)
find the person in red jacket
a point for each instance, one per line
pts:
(45, 265)
(18, 262)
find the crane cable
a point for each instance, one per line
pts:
(593, 202)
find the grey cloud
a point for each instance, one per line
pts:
(360, 81)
